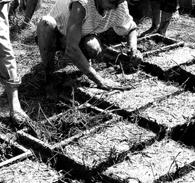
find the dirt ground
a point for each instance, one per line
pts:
(34, 99)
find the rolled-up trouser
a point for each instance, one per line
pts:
(8, 70)
(169, 6)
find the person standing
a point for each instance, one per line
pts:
(8, 69)
(28, 6)
(162, 12)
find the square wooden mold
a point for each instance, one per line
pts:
(173, 111)
(160, 162)
(29, 170)
(108, 144)
(53, 151)
(11, 151)
(148, 45)
(64, 127)
(143, 91)
(172, 58)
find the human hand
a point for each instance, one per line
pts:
(109, 85)
(105, 84)
(135, 57)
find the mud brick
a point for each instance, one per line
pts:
(189, 68)
(11, 151)
(156, 162)
(144, 90)
(107, 144)
(188, 178)
(173, 111)
(28, 171)
(65, 126)
(172, 58)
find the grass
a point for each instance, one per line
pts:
(9, 150)
(19, 172)
(70, 122)
(6, 151)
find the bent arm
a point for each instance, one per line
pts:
(73, 37)
(125, 25)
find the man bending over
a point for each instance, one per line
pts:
(72, 23)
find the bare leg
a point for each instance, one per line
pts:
(16, 112)
(8, 69)
(165, 21)
(48, 42)
(46, 33)
(91, 47)
(168, 8)
(12, 7)
(156, 14)
(29, 11)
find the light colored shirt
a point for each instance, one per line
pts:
(4, 1)
(119, 19)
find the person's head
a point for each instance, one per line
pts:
(109, 4)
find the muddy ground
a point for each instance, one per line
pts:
(144, 134)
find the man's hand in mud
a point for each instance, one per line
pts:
(135, 57)
(107, 84)
(110, 85)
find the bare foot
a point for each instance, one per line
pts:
(19, 116)
(22, 120)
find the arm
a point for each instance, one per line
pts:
(135, 55)
(132, 39)
(73, 37)
(125, 26)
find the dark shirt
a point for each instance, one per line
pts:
(169, 6)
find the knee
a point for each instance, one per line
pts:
(92, 47)
(47, 23)
(45, 28)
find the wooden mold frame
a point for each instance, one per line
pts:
(47, 149)
(114, 50)
(55, 154)
(23, 152)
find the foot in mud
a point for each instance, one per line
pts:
(21, 119)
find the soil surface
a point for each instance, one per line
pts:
(69, 123)
(150, 140)
(6, 152)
